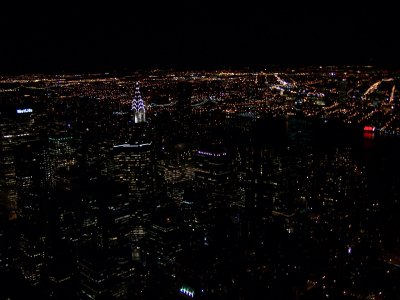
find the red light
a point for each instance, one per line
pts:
(368, 135)
(369, 128)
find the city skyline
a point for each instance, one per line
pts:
(200, 184)
(199, 151)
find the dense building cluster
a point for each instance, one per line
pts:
(200, 185)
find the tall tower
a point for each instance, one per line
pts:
(134, 166)
(32, 169)
(16, 127)
(138, 108)
(62, 153)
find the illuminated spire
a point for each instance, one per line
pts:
(138, 107)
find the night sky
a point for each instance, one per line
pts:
(66, 37)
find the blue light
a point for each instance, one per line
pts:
(187, 292)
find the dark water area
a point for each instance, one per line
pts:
(320, 136)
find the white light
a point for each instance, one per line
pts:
(24, 110)
(187, 292)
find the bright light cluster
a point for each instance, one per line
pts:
(187, 292)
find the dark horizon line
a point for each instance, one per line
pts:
(199, 68)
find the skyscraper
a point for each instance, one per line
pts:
(15, 128)
(184, 111)
(106, 269)
(134, 158)
(134, 166)
(138, 108)
(105, 261)
(184, 101)
(61, 152)
(214, 181)
(32, 169)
